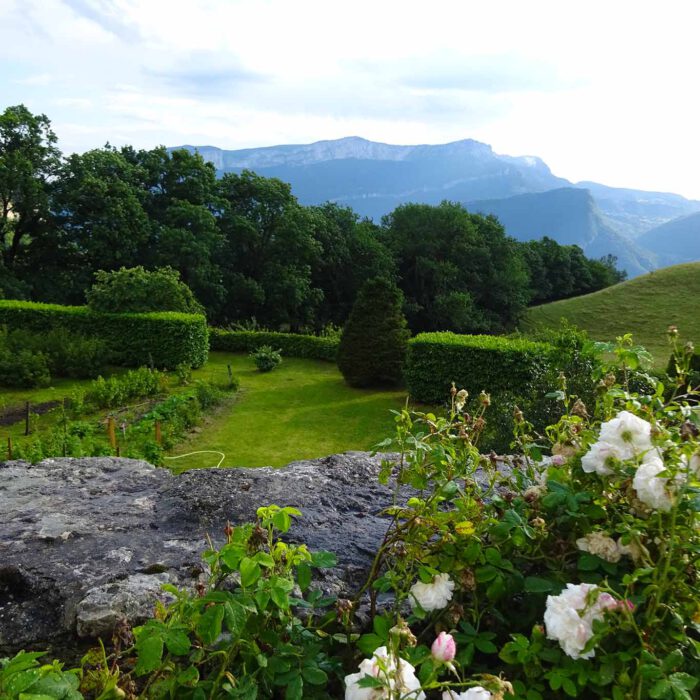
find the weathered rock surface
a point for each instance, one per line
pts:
(84, 542)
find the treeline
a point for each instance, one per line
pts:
(249, 250)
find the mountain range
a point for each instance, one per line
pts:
(531, 202)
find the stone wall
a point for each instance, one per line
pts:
(84, 542)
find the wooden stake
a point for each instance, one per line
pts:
(111, 432)
(26, 419)
(9, 448)
(230, 375)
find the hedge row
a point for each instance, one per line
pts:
(475, 363)
(165, 338)
(291, 345)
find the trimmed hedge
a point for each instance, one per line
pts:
(291, 344)
(166, 338)
(475, 363)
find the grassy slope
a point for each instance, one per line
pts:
(302, 409)
(644, 306)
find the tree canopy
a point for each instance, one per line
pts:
(247, 249)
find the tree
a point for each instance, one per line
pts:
(458, 271)
(99, 222)
(181, 203)
(268, 252)
(29, 159)
(138, 290)
(350, 253)
(373, 346)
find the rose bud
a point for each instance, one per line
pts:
(444, 648)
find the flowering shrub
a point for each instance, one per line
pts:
(567, 571)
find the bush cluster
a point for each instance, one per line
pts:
(164, 339)
(118, 390)
(29, 359)
(266, 358)
(290, 344)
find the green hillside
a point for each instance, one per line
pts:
(644, 306)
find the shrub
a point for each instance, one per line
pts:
(475, 363)
(116, 391)
(23, 368)
(290, 344)
(266, 358)
(137, 290)
(372, 348)
(67, 354)
(163, 338)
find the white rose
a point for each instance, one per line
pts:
(601, 545)
(597, 458)
(652, 490)
(475, 693)
(569, 617)
(435, 595)
(383, 666)
(628, 434)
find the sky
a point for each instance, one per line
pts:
(602, 91)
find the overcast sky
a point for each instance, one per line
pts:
(605, 91)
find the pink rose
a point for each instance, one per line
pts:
(444, 648)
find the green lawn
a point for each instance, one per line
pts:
(302, 409)
(644, 306)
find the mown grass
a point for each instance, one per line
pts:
(301, 410)
(644, 306)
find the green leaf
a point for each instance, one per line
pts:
(569, 687)
(588, 562)
(314, 675)
(235, 616)
(188, 677)
(323, 560)
(534, 584)
(208, 626)
(295, 689)
(485, 646)
(381, 626)
(367, 643)
(279, 597)
(262, 598)
(485, 573)
(304, 576)
(264, 559)
(150, 653)
(660, 689)
(493, 556)
(282, 521)
(250, 572)
(497, 589)
(683, 680)
(177, 642)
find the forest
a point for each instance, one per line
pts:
(251, 254)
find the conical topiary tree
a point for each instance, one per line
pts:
(373, 345)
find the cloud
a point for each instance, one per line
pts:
(203, 74)
(108, 15)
